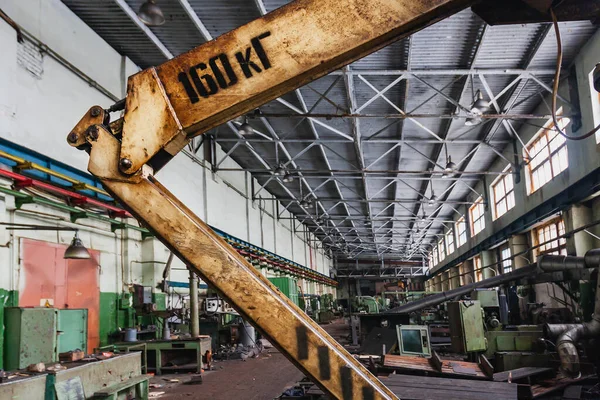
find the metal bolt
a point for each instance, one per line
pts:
(92, 132)
(125, 163)
(95, 111)
(72, 138)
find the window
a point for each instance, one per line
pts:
(503, 191)
(435, 256)
(477, 212)
(441, 250)
(547, 155)
(506, 260)
(546, 236)
(450, 241)
(461, 232)
(478, 269)
(430, 261)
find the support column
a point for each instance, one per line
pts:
(518, 244)
(445, 282)
(437, 281)
(194, 311)
(579, 215)
(454, 278)
(488, 260)
(467, 270)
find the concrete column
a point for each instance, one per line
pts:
(454, 278)
(438, 282)
(468, 274)
(194, 311)
(578, 216)
(518, 244)
(488, 260)
(445, 282)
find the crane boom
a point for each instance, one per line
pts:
(169, 104)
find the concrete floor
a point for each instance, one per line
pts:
(262, 378)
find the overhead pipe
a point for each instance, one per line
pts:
(571, 334)
(440, 298)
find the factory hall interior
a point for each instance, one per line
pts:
(299, 199)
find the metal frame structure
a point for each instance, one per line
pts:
(318, 133)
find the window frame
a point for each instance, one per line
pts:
(508, 194)
(544, 134)
(442, 250)
(449, 238)
(547, 229)
(478, 268)
(474, 221)
(506, 263)
(462, 220)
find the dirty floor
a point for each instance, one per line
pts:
(262, 378)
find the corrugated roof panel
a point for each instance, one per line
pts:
(118, 30)
(178, 33)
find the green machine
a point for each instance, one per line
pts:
(287, 286)
(62, 330)
(466, 326)
(366, 304)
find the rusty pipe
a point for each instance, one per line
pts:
(570, 334)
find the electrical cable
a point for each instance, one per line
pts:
(559, 60)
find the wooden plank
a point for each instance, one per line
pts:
(471, 385)
(521, 373)
(434, 393)
(422, 364)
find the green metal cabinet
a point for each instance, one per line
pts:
(288, 286)
(30, 336)
(466, 326)
(72, 330)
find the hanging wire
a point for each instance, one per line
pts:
(559, 59)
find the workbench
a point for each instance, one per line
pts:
(167, 356)
(95, 376)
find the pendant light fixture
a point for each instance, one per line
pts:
(245, 128)
(151, 14)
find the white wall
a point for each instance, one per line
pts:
(38, 112)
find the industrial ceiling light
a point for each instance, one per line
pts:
(306, 203)
(433, 198)
(280, 170)
(472, 121)
(245, 128)
(288, 178)
(151, 14)
(450, 166)
(480, 106)
(76, 251)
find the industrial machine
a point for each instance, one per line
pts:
(413, 340)
(166, 106)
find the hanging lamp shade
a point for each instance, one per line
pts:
(76, 250)
(151, 14)
(479, 106)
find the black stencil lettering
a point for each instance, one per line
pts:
(212, 85)
(217, 71)
(260, 51)
(246, 63)
(189, 88)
